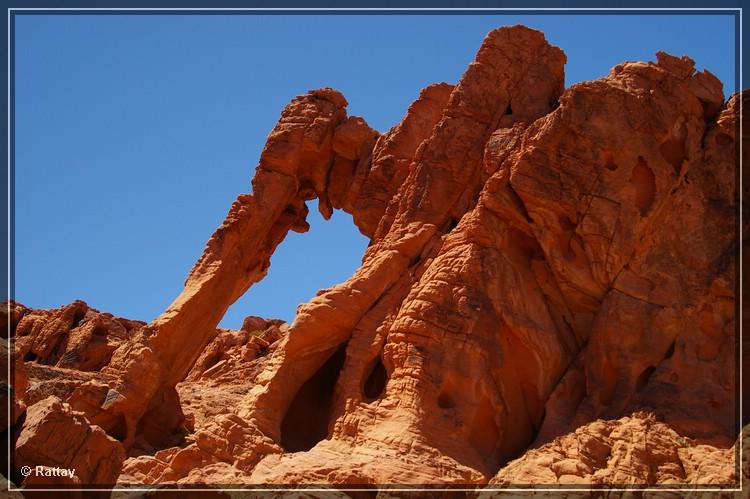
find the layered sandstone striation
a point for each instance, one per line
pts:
(549, 296)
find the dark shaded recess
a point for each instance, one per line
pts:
(163, 426)
(526, 243)
(710, 109)
(673, 152)
(306, 421)
(644, 377)
(566, 223)
(376, 380)
(445, 401)
(519, 203)
(509, 110)
(213, 360)
(79, 315)
(670, 351)
(119, 429)
(59, 350)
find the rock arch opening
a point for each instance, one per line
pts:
(302, 265)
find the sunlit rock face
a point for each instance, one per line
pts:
(549, 296)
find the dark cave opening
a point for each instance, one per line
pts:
(376, 381)
(306, 421)
(673, 152)
(119, 429)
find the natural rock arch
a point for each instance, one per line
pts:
(509, 249)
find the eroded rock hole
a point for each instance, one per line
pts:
(509, 110)
(670, 351)
(610, 164)
(527, 244)
(673, 152)
(566, 223)
(644, 377)
(446, 399)
(375, 381)
(306, 421)
(644, 184)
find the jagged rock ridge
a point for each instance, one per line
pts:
(545, 266)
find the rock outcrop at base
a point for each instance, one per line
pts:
(549, 287)
(634, 450)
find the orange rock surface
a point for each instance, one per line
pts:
(549, 297)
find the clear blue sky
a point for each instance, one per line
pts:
(134, 134)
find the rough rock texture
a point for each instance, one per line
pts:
(633, 450)
(72, 337)
(53, 435)
(549, 295)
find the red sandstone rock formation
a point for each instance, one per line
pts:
(634, 450)
(56, 436)
(550, 279)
